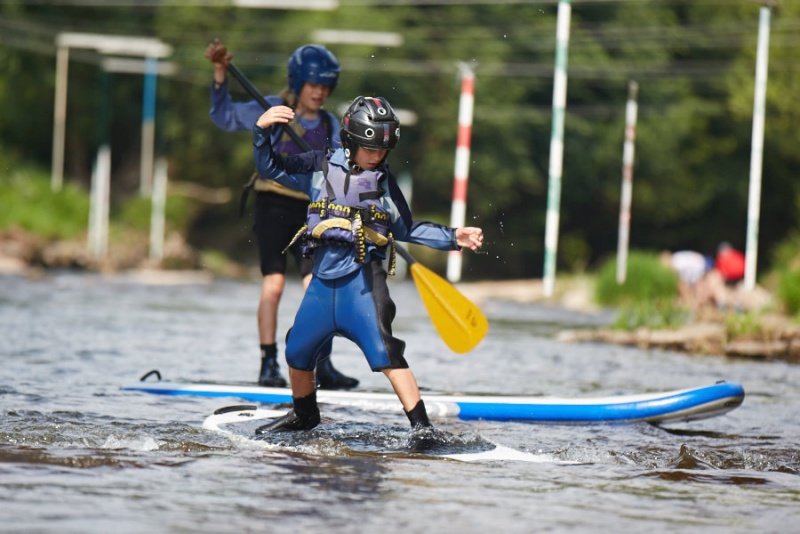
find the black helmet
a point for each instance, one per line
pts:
(312, 63)
(369, 122)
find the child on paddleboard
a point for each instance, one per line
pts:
(356, 213)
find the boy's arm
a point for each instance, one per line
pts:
(295, 172)
(426, 233)
(422, 233)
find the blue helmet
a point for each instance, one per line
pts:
(315, 64)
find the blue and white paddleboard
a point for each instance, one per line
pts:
(668, 406)
(239, 423)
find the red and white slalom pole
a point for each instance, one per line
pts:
(626, 194)
(461, 175)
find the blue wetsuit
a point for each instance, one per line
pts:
(346, 297)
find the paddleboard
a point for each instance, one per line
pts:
(660, 407)
(240, 422)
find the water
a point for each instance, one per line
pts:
(79, 455)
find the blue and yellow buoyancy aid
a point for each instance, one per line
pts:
(348, 212)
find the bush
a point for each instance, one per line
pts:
(29, 203)
(647, 281)
(786, 262)
(135, 213)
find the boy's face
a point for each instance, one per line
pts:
(313, 95)
(369, 158)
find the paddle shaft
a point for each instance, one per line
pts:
(258, 97)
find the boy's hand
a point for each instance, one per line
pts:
(275, 114)
(469, 237)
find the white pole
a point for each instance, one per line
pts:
(99, 207)
(458, 214)
(556, 146)
(627, 183)
(158, 207)
(757, 149)
(59, 118)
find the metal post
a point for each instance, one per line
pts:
(458, 212)
(757, 149)
(627, 183)
(556, 146)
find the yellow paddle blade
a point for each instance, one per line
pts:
(460, 323)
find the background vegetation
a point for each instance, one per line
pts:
(693, 61)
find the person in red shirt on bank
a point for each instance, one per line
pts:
(730, 263)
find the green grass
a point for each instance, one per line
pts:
(135, 213)
(662, 314)
(744, 325)
(786, 270)
(647, 298)
(29, 203)
(647, 280)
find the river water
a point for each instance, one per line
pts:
(77, 454)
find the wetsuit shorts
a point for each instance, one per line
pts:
(356, 306)
(276, 220)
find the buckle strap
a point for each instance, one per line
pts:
(295, 238)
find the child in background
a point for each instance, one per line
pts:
(312, 74)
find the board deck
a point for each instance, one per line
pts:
(238, 423)
(659, 407)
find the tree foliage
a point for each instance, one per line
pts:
(693, 61)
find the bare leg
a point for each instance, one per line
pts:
(306, 281)
(303, 382)
(271, 292)
(405, 386)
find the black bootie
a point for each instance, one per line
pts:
(330, 378)
(418, 416)
(270, 375)
(304, 416)
(424, 437)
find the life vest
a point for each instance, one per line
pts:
(318, 138)
(348, 212)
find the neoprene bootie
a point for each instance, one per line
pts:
(329, 378)
(418, 416)
(304, 416)
(270, 374)
(424, 437)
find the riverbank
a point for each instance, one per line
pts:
(750, 330)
